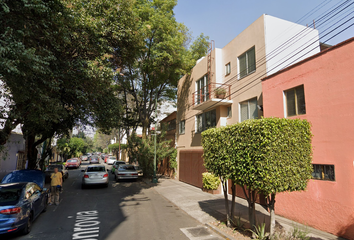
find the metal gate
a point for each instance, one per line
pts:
(191, 167)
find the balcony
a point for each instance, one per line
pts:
(211, 95)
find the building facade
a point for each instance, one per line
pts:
(320, 89)
(225, 86)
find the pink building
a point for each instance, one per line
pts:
(321, 90)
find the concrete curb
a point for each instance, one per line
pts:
(219, 232)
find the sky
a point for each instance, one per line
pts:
(223, 20)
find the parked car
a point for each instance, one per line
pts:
(106, 158)
(94, 160)
(22, 199)
(139, 170)
(115, 165)
(72, 163)
(125, 171)
(111, 160)
(95, 175)
(84, 157)
(50, 170)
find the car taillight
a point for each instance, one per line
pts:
(10, 211)
(86, 176)
(106, 175)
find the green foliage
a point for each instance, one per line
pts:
(299, 234)
(259, 232)
(143, 151)
(210, 181)
(114, 148)
(269, 155)
(173, 159)
(73, 147)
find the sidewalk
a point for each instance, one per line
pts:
(207, 207)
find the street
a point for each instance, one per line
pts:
(124, 210)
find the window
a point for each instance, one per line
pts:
(182, 127)
(295, 101)
(171, 125)
(202, 86)
(323, 172)
(247, 63)
(229, 112)
(248, 109)
(205, 120)
(227, 69)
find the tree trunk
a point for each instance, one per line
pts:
(31, 152)
(271, 203)
(224, 188)
(233, 191)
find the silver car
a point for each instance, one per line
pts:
(94, 160)
(125, 171)
(95, 175)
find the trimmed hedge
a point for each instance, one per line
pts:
(210, 181)
(268, 155)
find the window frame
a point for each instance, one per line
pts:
(202, 84)
(229, 112)
(248, 72)
(204, 126)
(171, 125)
(323, 172)
(180, 127)
(248, 109)
(285, 96)
(227, 68)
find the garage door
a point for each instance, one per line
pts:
(191, 167)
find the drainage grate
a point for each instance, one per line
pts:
(199, 233)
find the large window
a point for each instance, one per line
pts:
(229, 112)
(248, 109)
(205, 120)
(323, 172)
(247, 63)
(182, 127)
(295, 101)
(202, 87)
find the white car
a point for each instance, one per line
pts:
(95, 175)
(111, 160)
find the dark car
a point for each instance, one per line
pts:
(50, 170)
(22, 199)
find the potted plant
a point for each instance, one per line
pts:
(211, 183)
(220, 92)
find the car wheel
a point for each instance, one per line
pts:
(83, 186)
(46, 206)
(28, 226)
(106, 185)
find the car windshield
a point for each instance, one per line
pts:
(10, 195)
(112, 157)
(51, 167)
(126, 167)
(96, 169)
(72, 160)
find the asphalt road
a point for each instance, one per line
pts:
(124, 210)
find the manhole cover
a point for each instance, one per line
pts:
(198, 231)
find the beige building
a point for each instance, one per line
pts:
(225, 86)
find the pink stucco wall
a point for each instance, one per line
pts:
(328, 80)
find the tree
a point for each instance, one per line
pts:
(143, 151)
(268, 156)
(217, 161)
(55, 68)
(151, 69)
(115, 147)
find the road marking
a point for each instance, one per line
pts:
(73, 183)
(86, 225)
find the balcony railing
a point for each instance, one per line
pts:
(217, 91)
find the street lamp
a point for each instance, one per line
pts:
(154, 179)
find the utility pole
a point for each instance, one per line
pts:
(154, 179)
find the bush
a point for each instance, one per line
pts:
(210, 181)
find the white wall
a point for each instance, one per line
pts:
(219, 66)
(8, 158)
(287, 43)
